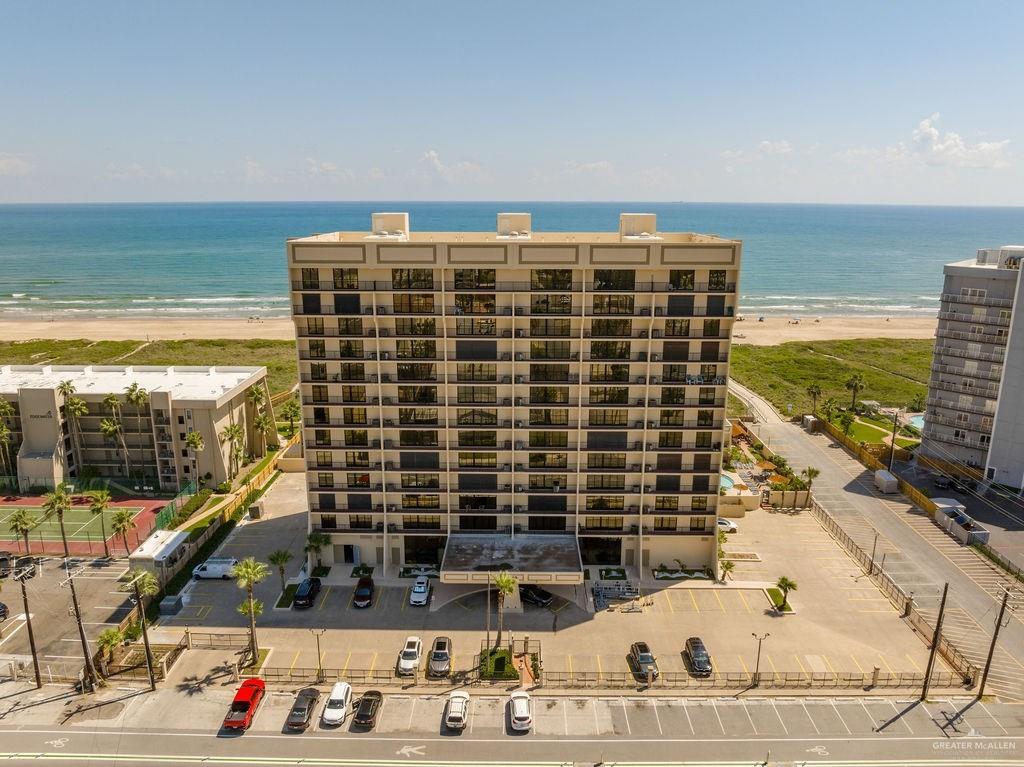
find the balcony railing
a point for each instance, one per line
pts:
(957, 407)
(985, 319)
(949, 351)
(952, 440)
(957, 371)
(980, 338)
(991, 392)
(934, 417)
(956, 298)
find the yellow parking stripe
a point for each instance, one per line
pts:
(694, 600)
(599, 669)
(857, 663)
(568, 660)
(323, 599)
(799, 663)
(294, 660)
(745, 669)
(829, 664)
(347, 659)
(770, 663)
(720, 602)
(745, 603)
(373, 662)
(668, 598)
(885, 663)
(913, 662)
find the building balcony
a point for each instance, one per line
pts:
(934, 417)
(955, 298)
(985, 319)
(680, 530)
(953, 440)
(306, 332)
(307, 355)
(949, 351)
(987, 375)
(978, 338)
(992, 392)
(956, 407)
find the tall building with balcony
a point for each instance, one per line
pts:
(47, 444)
(974, 422)
(533, 401)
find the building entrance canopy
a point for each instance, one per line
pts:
(551, 559)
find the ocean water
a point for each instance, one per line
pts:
(227, 259)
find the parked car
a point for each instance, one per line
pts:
(728, 525)
(535, 595)
(419, 595)
(27, 567)
(243, 708)
(6, 563)
(644, 662)
(697, 656)
(520, 711)
(367, 709)
(363, 596)
(305, 594)
(963, 485)
(409, 657)
(941, 482)
(215, 567)
(302, 709)
(5, 613)
(440, 663)
(339, 701)
(457, 712)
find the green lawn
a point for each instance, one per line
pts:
(278, 357)
(735, 407)
(863, 432)
(895, 371)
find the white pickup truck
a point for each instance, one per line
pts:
(215, 567)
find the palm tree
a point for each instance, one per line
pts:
(315, 543)
(846, 421)
(123, 521)
(856, 385)
(22, 522)
(247, 574)
(505, 585)
(814, 391)
(98, 505)
(785, 585)
(291, 410)
(139, 398)
(810, 473)
(5, 449)
(6, 410)
(196, 444)
(263, 426)
(112, 428)
(57, 503)
(280, 559)
(108, 641)
(147, 582)
(829, 408)
(726, 566)
(76, 409)
(233, 435)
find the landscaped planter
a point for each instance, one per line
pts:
(418, 570)
(774, 597)
(681, 575)
(612, 573)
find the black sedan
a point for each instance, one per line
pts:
(302, 709)
(367, 710)
(305, 594)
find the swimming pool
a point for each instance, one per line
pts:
(726, 483)
(917, 421)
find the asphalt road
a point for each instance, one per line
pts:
(566, 731)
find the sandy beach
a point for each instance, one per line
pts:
(774, 330)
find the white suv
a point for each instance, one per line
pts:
(458, 711)
(520, 711)
(420, 593)
(409, 658)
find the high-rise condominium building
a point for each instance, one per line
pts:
(532, 401)
(50, 442)
(975, 418)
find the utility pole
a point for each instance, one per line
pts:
(992, 647)
(892, 442)
(935, 643)
(488, 610)
(145, 634)
(21, 577)
(757, 663)
(319, 663)
(873, 547)
(89, 680)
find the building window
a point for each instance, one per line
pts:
(610, 373)
(549, 461)
(698, 524)
(478, 460)
(699, 503)
(551, 279)
(607, 327)
(311, 279)
(325, 479)
(602, 523)
(323, 458)
(614, 279)
(665, 523)
(355, 415)
(353, 393)
(356, 437)
(549, 439)
(478, 439)
(473, 279)
(418, 394)
(351, 371)
(317, 349)
(415, 326)
(348, 326)
(613, 304)
(417, 415)
(548, 482)
(606, 461)
(609, 350)
(716, 279)
(676, 328)
(314, 326)
(666, 502)
(549, 417)
(472, 326)
(317, 372)
(542, 395)
(416, 371)
(550, 350)
(681, 279)
(549, 373)
(468, 395)
(319, 393)
(603, 417)
(476, 417)
(420, 481)
(322, 438)
(546, 327)
(415, 349)
(609, 395)
(346, 279)
(476, 371)
(417, 438)
(360, 521)
(412, 279)
(412, 303)
(605, 503)
(471, 303)
(421, 521)
(358, 480)
(357, 459)
(712, 328)
(673, 417)
(606, 482)
(551, 303)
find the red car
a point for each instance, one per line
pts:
(243, 707)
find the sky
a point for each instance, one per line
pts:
(828, 102)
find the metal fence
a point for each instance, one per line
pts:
(166, 514)
(953, 656)
(795, 680)
(216, 641)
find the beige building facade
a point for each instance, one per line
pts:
(47, 445)
(555, 400)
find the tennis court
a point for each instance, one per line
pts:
(79, 523)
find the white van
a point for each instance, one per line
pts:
(215, 567)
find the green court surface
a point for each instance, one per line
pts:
(79, 523)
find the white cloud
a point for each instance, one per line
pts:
(930, 147)
(135, 171)
(325, 169)
(432, 165)
(253, 171)
(775, 147)
(14, 165)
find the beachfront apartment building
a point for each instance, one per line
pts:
(974, 422)
(47, 445)
(533, 401)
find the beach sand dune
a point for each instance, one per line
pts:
(774, 330)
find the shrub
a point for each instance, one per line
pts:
(190, 507)
(224, 487)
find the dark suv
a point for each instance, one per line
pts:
(643, 660)
(363, 596)
(697, 655)
(305, 595)
(6, 563)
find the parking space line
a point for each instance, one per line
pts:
(749, 717)
(836, 709)
(913, 662)
(689, 722)
(803, 704)
(405, 600)
(770, 663)
(899, 717)
(625, 715)
(597, 722)
(323, 599)
(720, 602)
(599, 669)
(829, 664)
(744, 600)
(657, 717)
(347, 659)
(857, 663)
(694, 600)
(799, 663)
(668, 598)
(565, 717)
(568, 660)
(776, 709)
(990, 716)
(885, 663)
(717, 716)
(742, 663)
(373, 662)
(412, 710)
(294, 660)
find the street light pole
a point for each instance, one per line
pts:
(935, 643)
(757, 663)
(992, 647)
(21, 577)
(319, 663)
(892, 442)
